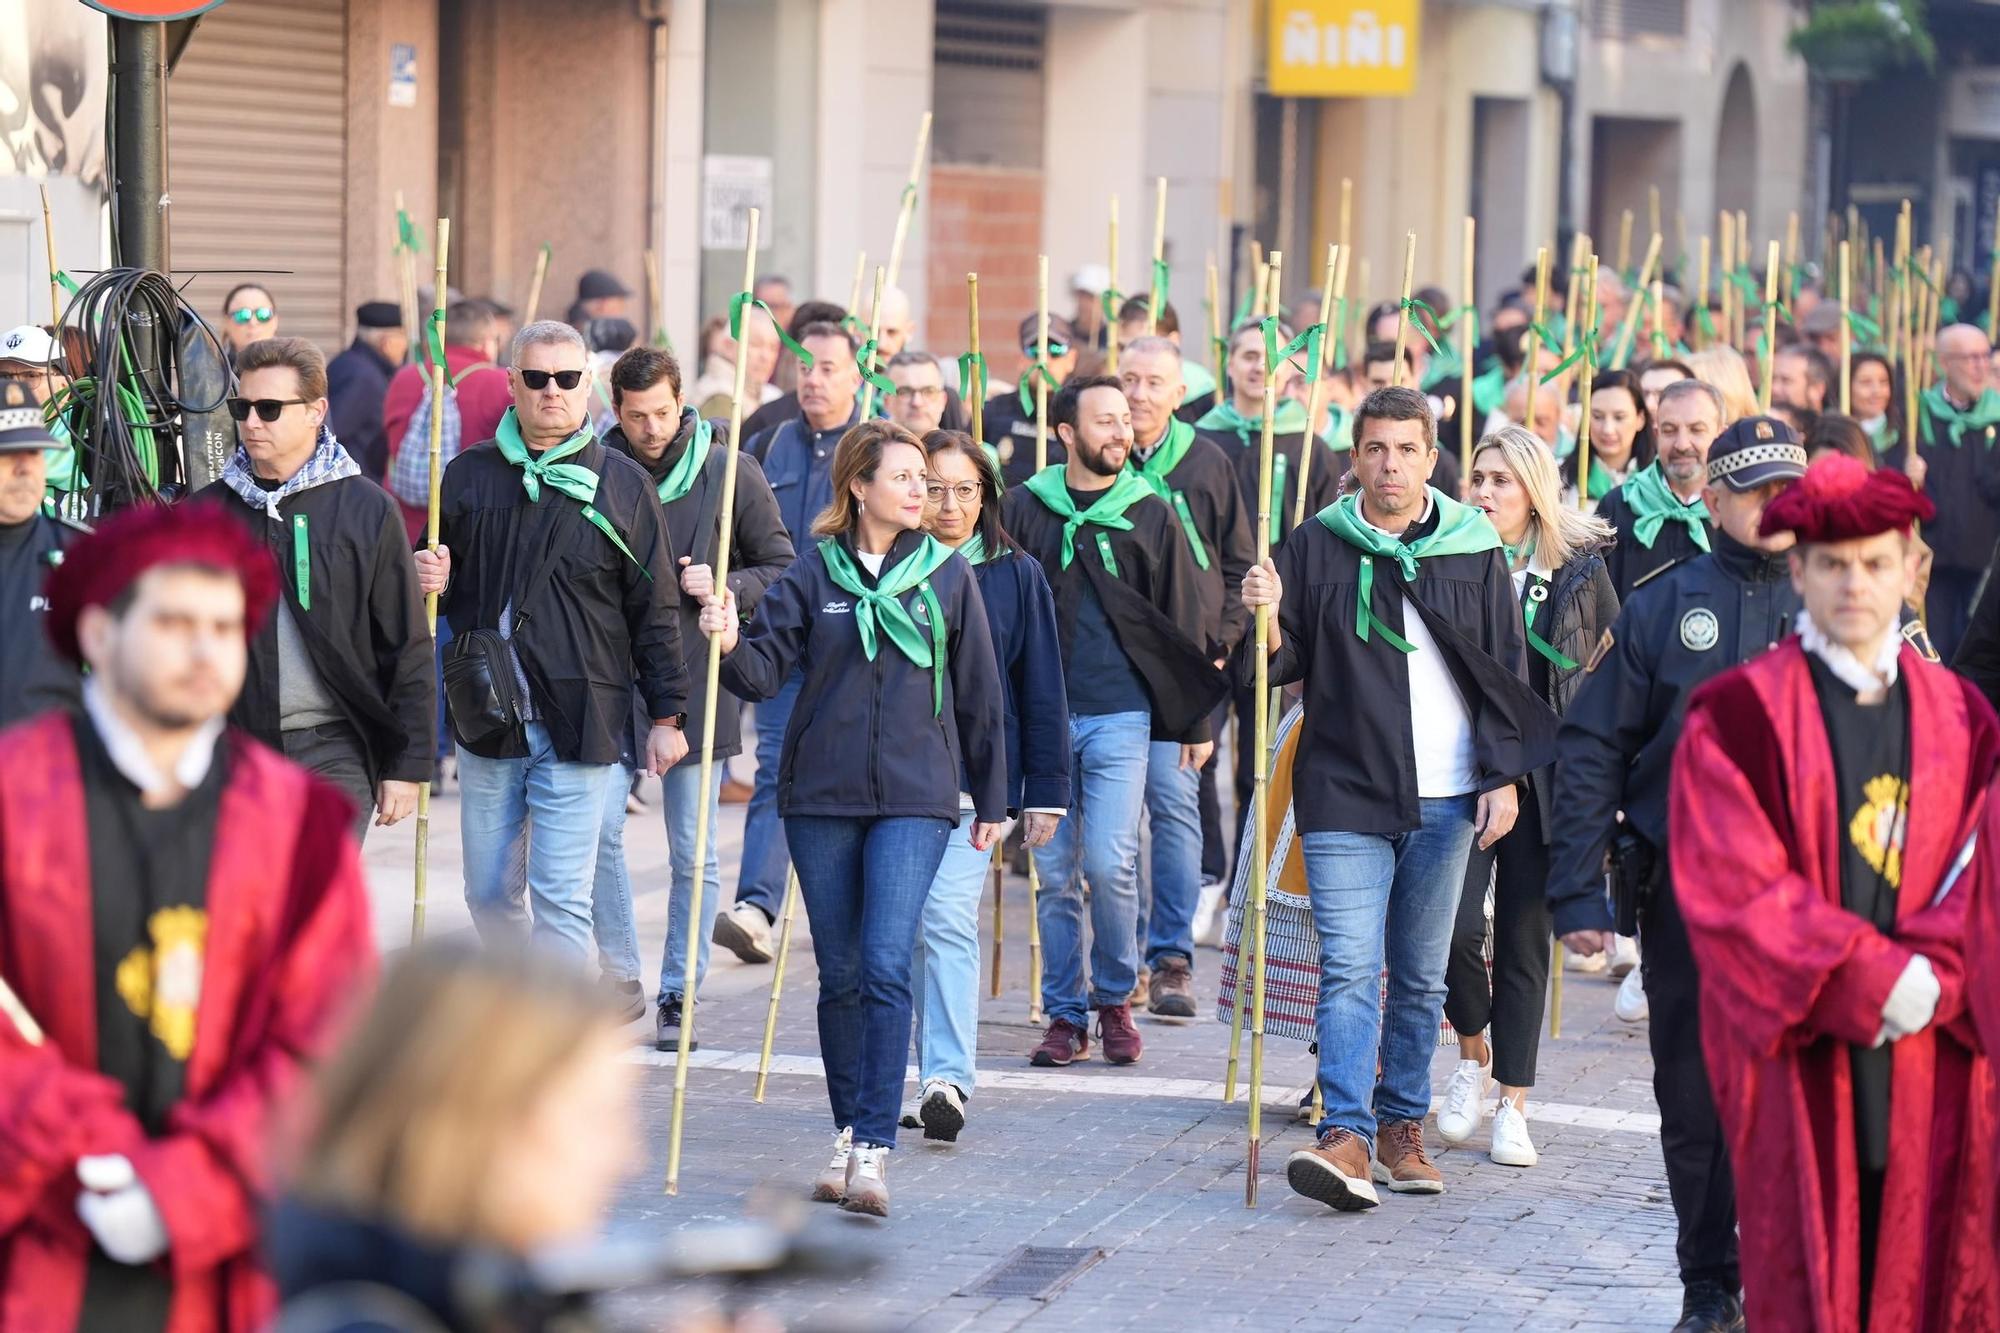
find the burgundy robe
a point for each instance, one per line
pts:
(288, 949)
(1790, 979)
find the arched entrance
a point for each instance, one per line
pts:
(1736, 146)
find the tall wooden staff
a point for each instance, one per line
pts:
(777, 981)
(725, 529)
(49, 241)
(1699, 306)
(1587, 371)
(854, 292)
(1468, 342)
(1653, 207)
(1316, 367)
(1846, 332)
(1403, 309)
(874, 337)
(406, 275)
(1346, 211)
(656, 307)
(1743, 258)
(1572, 312)
(1337, 328)
(1111, 292)
(541, 275)
(1215, 342)
(1158, 296)
(1790, 283)
(1725, 288)
(437, 377)
(976, 403)
(1532, 343)
(909, 204)
(1629, 327)
(1770, 357)
(1041, 461)
(1625, 243)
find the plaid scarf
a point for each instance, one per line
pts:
(329, 462)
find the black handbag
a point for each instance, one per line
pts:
(481, 692)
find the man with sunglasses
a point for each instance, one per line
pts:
(1010, 417)
(339, 680)
(248, 315)
(567, 596)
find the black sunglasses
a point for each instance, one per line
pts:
(539, 379)
(268, 409)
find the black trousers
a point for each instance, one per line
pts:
(333, 751)
(1948, 608)
(1512, 1003)
(1215, 846)
(1697, 1157)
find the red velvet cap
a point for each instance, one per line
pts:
(1840, 500)
(111, 559)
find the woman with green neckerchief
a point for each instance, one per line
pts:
(1872, 396)
(901, 710)
(1554, 553)
(1621, 437)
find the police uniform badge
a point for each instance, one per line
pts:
(1600, 652)
(1699, 630)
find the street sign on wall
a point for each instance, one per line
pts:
(1342, 48)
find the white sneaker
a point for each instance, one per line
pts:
(1464, 1101)
(1511, 1144)
(830, 1186)
(1631, 1002)
(942, 1114)
(1624, 956)
(744, 931)
(1576, 962)
(868, 1182)
(910, 1119)
(1211, 914)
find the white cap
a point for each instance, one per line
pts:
(30, 343)
(1092, 278)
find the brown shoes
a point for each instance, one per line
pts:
(1334, 1171)
(1143, 991)
(1400, 1161)
(1119, 1036)
(1062, 1043)
(1172, 989)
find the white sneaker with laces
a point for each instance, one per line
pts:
(1211, 913)
(942, 1113)
(1464, 1101)
(745, 932)
(1631, 1002)
(1511, 1144)
(911, 1117)
(830, 1186)
(1624, 956)
(868, 1181)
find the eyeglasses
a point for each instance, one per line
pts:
(965, 492)
(1057, 347)
(911, 393)
(268, 409)
(252, 314)
(539, 379)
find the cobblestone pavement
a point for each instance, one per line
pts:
(1145, 1164)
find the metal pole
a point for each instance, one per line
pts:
(139, 143)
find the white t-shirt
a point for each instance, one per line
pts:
(1440, 723)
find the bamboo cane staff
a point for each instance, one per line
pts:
(1258, 305)
(541, 274)
(1111, 293)
(777, 982)
(1316, 368)
(1899, 347)
(1625, 243)
(1790, 284)
(1360, 307)
(1846, 333)
(1041, 461)
(1467, 345)
(1556, 955)
(1700, 302)
(874, 337)
(1586, 371)
(657, 306)
(406, 277)
(1680, 247)
(437, 378)
(55, 286)
(976, 384)
(1881, 306)
(1743, 258)
(724, 531)
(1770, 338)
(908, 207)
(1932, 304)
(1347, 212)
(1403, 309)
(1725, 288)
(1653, 207)
(1533, 341)
(1629, 326)
(1256, 276)
(854, 291)
(1661, 347)
(1339, 328)
(1158, 296)
(1572, 312)
(1215, 343)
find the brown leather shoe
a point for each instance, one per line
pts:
(1143, 991)
(734, 792)
(1118, 1035)
(1173, 989)
(1334, 1171)
(1062, 1043)
(1400, 1161)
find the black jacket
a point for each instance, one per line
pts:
(1978, 657)
(1229, 540)
(1356, 769)
(1322, 485)
(759, 552)
(1581, 605)
(1154, 605)
(863, 742)
(1631, 563)
(1021, 613)
(356, 383)
(1616, 747)
(364, 627)
(1012, 432)
(33, 679)
(1963, 480)
(597, 621)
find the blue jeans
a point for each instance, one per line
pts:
(1371, 891)
(948, 956)
(565, 800)
(1167, 899)
(443, 641)
(1099, 839)
(681, 789)
(864, 882)
(611, 885)
(760, 878)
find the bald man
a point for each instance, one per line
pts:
(1959, 419)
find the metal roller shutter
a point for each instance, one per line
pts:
(257, 159)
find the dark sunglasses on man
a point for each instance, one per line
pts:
(539, 379)
(252, 314)
(267, 409)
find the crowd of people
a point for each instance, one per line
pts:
(1664, 680)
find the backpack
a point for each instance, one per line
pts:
(410, 471)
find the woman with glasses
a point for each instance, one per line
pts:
(899, 710)
(248, 315)
(963, 512)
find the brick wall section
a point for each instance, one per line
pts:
(984, 220)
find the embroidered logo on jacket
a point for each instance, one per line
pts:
(162, 984)
(1877, 827)
(836, 608)
(1699, 630)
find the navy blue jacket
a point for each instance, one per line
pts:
(1021, 612)
(863, 743)
(799, 465)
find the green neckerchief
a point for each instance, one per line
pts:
(1106, 511)
(1882, 436)
(1980, 416)
(680, 477)
(1154, 472)
(973, 548)
(880, 608)
(1224, 416)
(1534, 595)
(575, 480)
(1339, 433)
(1460, 530)
(1489, 389)
(1602, 482)
(1654, 505)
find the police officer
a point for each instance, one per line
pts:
(1617, 741)
(32, 677)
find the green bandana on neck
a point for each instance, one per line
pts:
(1107, 511)
(575, 480)
(680, 478)
(1461, 530)
(1154, 472)
(1654, 505)
(880, 608)
(974, 550)
(1291, 418)
(1602, 482)
(1981, 415)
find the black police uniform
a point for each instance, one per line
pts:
(1614, 752)
(33, 678)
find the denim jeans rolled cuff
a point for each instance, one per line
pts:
(1098, 841)
(864, 882)
(1173, 814)
(766, 861)
(947, 1000)
(611, 886)
(681, 806)
(1380, 899)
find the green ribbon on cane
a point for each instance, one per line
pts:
(1028, 385)
(865, 361)
(1586, 351)
(1704, 321)
(1307, 340)
(1338, 331)
(1862, 328)
(1467, 311)
(972, 377)
(742, 299)
(1110, 299)
(407, 236)
(1162, 279)
(434, 338)
(1410, 305)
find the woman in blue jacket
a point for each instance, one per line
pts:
(901, 705)
(964, 509)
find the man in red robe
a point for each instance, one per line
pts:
(1820, 796)
(182, 917)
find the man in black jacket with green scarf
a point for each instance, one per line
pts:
(1659, 515)
(1960, 426)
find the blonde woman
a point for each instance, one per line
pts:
(1566, 601)
(1725, 368)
